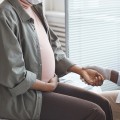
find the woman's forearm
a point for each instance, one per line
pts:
(42, 86)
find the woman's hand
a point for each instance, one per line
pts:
(46, 87)
(53, 83)
(92, 77)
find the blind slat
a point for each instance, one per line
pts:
(93, 32)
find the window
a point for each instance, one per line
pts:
(93, 32)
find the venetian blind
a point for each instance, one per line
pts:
(93, 32)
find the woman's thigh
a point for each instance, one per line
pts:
(112, 96)
(57, 106)
(86, 95)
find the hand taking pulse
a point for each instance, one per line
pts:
(108, 74)
(90, 76)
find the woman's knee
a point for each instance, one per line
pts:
(97, 113)
(106, 103)
(100, 114)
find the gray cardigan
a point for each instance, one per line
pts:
(20, 61)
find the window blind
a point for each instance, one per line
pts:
(93, 32)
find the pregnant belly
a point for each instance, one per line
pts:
(48, 65)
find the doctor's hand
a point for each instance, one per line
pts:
(92, 77)
(89, 76)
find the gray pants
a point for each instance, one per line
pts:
(72, 103)
(111, 96)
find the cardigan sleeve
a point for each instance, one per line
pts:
(62, 62)
(13, 73)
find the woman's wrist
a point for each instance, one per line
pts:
(76, 69)
(44, 86)
(39, 85)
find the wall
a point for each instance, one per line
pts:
(55, 5)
